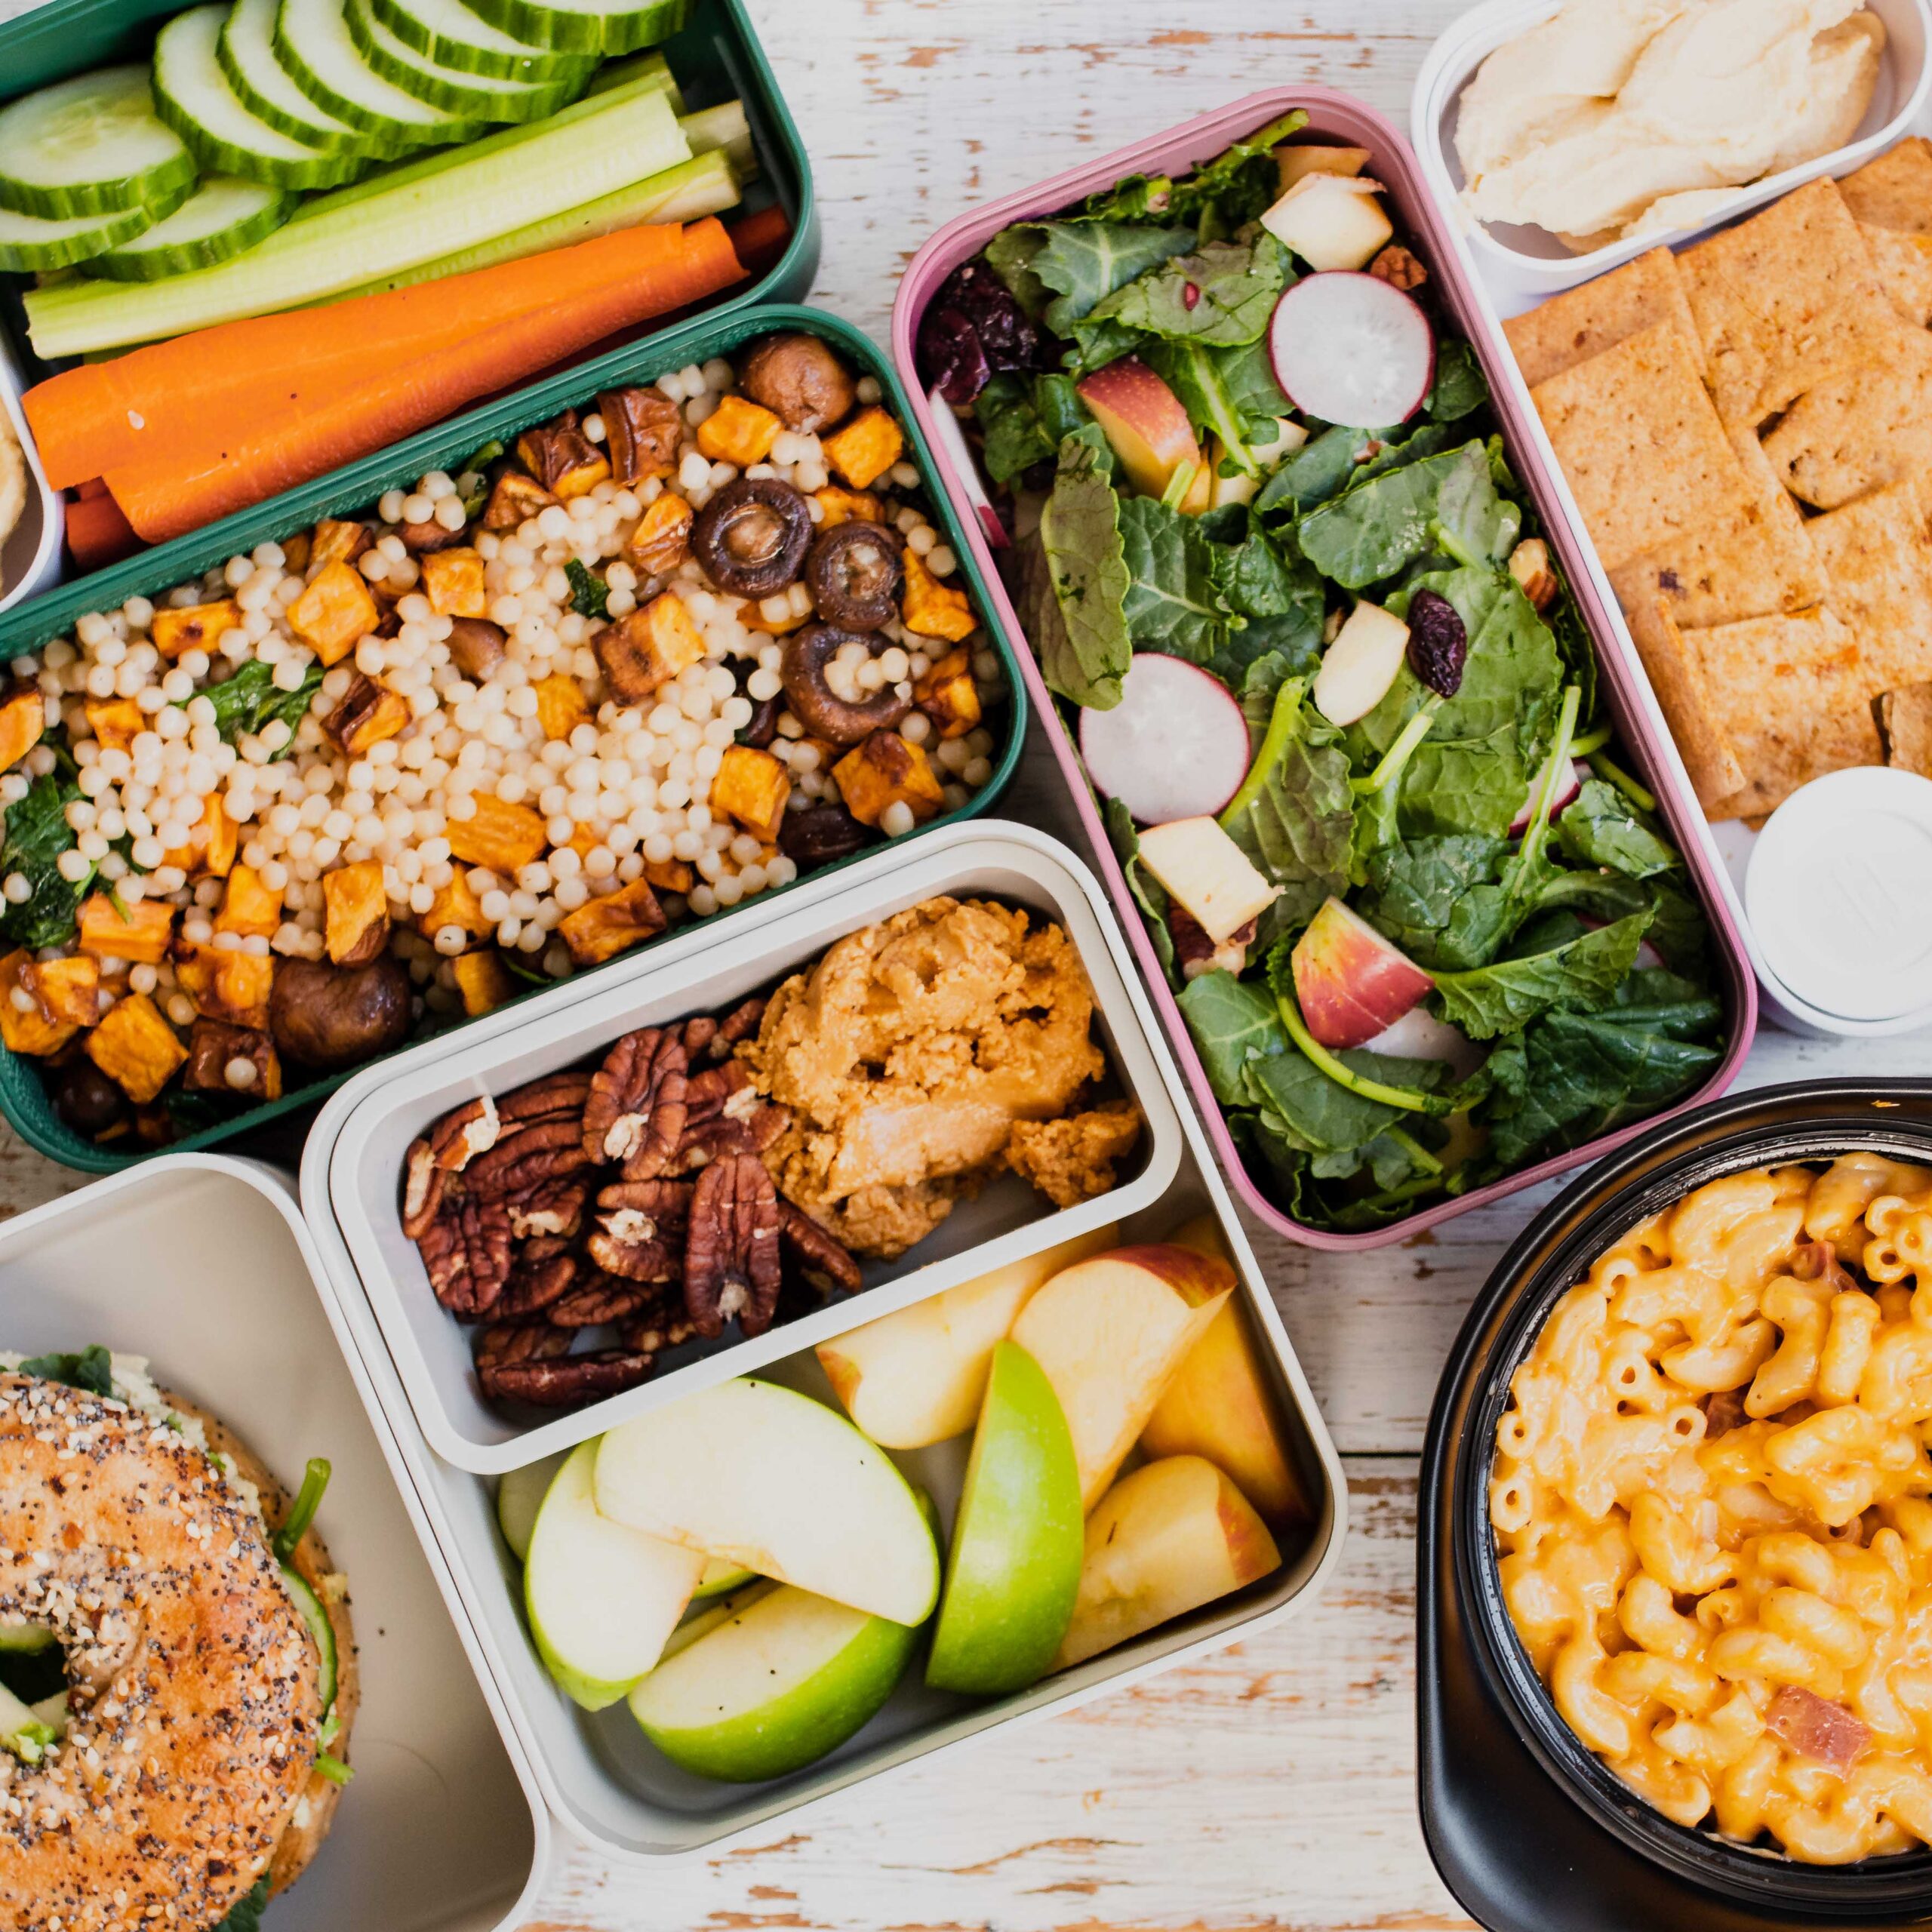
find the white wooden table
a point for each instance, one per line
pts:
(1272, 1786)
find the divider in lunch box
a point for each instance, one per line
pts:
(1005, 1222)
(595, 1772)
(1339, 117)
(24, 1100)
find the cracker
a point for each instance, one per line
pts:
(1644, 453)
(1905, 723)
(1904, 263)
(1755, 560)
(1785, 301)
(1679, 681)
(1895, 190)
(1876, 553)
(1858, 432)
(1595, 315)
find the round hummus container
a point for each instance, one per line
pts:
(1510, 1797)
(30, 557)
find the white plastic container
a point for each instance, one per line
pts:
(381, 1112)
(30, 559)
(1527, 263)
(202, 1264)
(606, 1784)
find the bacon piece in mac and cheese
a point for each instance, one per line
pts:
(1712, 1503)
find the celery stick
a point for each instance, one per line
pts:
(621, 73)
(693, 188)
(724, 127)
(582, 154)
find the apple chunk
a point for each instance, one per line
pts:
(917, 1376)
(1207, 874)
(1111, 1332)
(1173, 1535)
(1298, 160)
(1350, 982)
(760, 1476)
(1331, 221)
(1357, 669)
(1146, 428)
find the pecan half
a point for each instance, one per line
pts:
(636, 1110)
(821, 1257)
(504, 1341)
(741, 1022)
(654, 1331)
(726, 1133)
(731, 1264)
(569, 1382)
(555, 1093)
(606, 1298)
(725, 1089)
(536, 1284)
(422, 1185)
(448, 1147)
(526, 1157)
(700, 1034)
(553, 1207)
(466, 1250)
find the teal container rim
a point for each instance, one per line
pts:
(24, 1101)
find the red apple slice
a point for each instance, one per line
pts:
(1348, 348)
(1147, 427)
(1350, 982)
(952, 439)
(1175, 746)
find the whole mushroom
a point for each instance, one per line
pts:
(853, 572)
(814, 703)
(800, 380)
(751, 537)
(330, 1018)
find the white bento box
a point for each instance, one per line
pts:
(30, 558)
(1528, 263)
(202, 1264)
(609, 1788)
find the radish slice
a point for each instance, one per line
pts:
(1348, 348)
(1419, 1035)
(951, 440)
(1175, 746)
(1567, 789)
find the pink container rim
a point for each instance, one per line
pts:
(1330, 112)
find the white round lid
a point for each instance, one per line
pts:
(1838, 891)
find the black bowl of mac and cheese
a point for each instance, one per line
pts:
(1676, 1590)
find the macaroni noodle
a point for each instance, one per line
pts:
(1712, 1504)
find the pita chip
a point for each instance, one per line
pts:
(1905, 723)
(1595, 315)
(1679, 681)
(1894, 190)
(1875, 552)
(1858, 432)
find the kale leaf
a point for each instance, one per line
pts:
(37, 832)
(1083, 263)
(1598, 827)
(1073, 582)
(1233, 1026)
(1228, 394)
(1368, 533)
(590, 596)
(1148, 893)
(1239, 184)
(1294, 815)
(1222, 294)
(246, 703)
(1437, 898)
(1581, 973)
(1171, 603)
(1458, 389)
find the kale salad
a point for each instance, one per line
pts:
(1424, 927)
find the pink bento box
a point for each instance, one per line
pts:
(1349, 122)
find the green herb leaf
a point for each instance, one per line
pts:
(91, 1370)
(590, 596)
(247, 1915)
(1580, 975)
(1073, 582)
(246, 703)
(36, 834)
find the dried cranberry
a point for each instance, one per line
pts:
(1190, 295)
(1438, 646)
(973, 329)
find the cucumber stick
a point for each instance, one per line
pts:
(312, 43)
(703, 186)
(246, 51)
(28, 243)
(90, 146)
(223, 215)
(447, 89)
(587, 26)
(320, 1629)
(195, 98)
(447, 32)
(378, 227)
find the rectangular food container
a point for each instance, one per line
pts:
(596, 1773)
(203, 1264)
(30, 559)
(370, 1124)
(22, 1099)
(1529, 263)
(1352, 123)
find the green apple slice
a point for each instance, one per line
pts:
(758, 1475)
(1013, 1571)
(771, 1687)
(601, 1598)
(722, 1577)
(519, 1496)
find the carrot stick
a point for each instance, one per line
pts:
(762, 238)
(641, 272)
(93, 487)
(98, 533)
(175, 400)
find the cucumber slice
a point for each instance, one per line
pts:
(194, 97)
(24, 1639)
(89, 145)
(246, 51)
(29, 244)
(448, 89)
(223, 215)
(320, 1629)
(447, 32)
(588, 26)
(312, 42)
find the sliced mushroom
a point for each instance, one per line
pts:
(751, 537)
(798, 379)
(854, 575)
(816, 704)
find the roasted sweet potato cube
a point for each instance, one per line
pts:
(646, 648)
(883, 771)
(561, 706)
(198, 627)
(335, 613)
(738, 431)
(453, 582)
(217, 841)
(357, 907)
(25, 1024)
(866, 448)
(368, 712)
(249, 907)
(845, 505)
(948, 695)
(297, 550)
(752, 787)
(136, 1048)
(22, 719)
(562, 458)
(111, 928)
(238, 1061)
(502, 837)
(336, 541)
(662, 538)
(115, 722)
(69, 989)
(934, 609)
(515, 499)
(642, 429)
(456, 905)
(227, 984)
(484, 981)
(751, 616)
(605, 927)
(669, 875)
